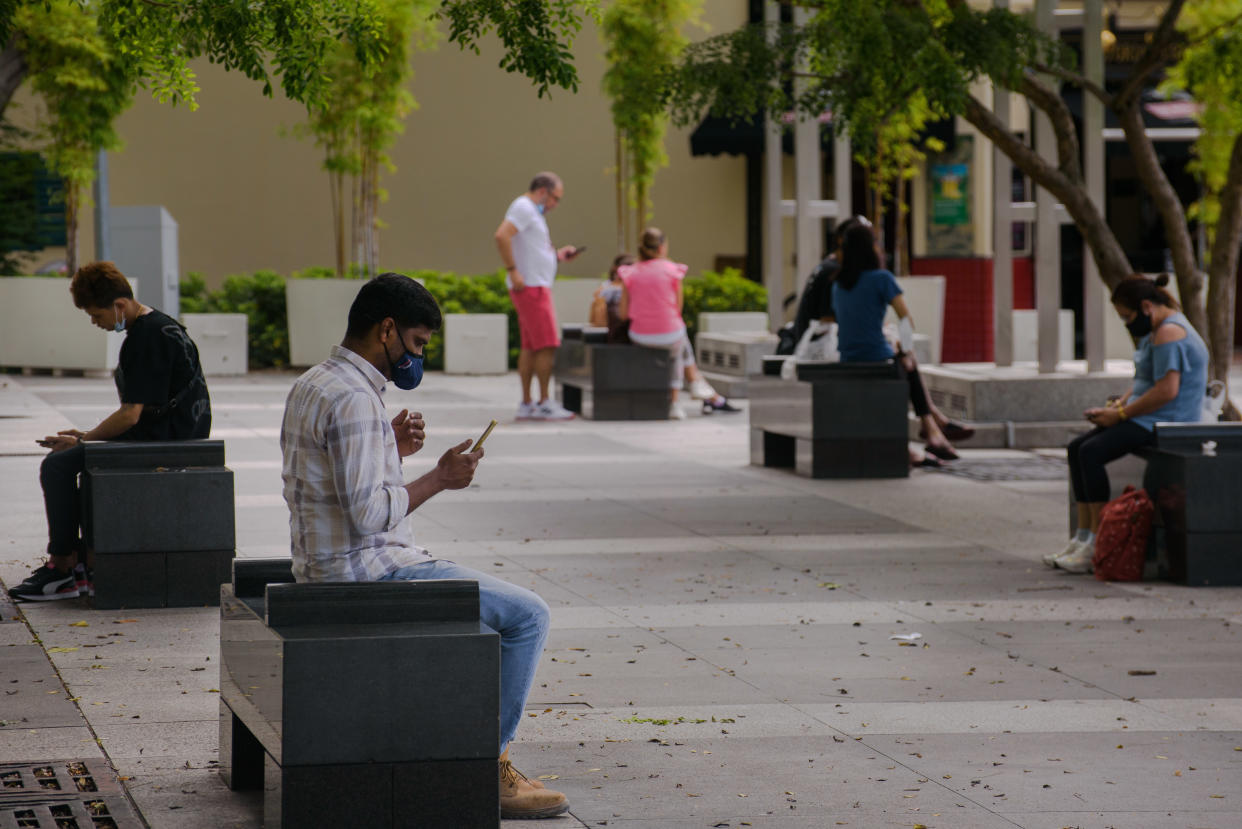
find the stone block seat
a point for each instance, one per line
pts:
(371, 704)
(607, 381)
(1197, 538)
(1196, 497)
(159, 518)
(836, 420)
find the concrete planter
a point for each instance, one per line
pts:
(925, 299)
(476, 343)
(729, 322)
(44, 330)
(222, 342)
(1026, 336)
(318, 309)
(572, 300)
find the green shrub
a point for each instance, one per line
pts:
(261, 297)
(462, 294)
(728, 291)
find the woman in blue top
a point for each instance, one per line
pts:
(861, 295)
(1170, 378)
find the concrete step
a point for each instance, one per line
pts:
(730, 385)
(1011, 435)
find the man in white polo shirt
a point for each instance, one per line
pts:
(530, 263)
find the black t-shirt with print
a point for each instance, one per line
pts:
(159, 368)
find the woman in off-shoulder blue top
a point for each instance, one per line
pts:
(1170, 379)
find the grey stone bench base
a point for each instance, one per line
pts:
(159, 518)
(602, 381)
(182, 579)
(369, 704)
(416, 794)
(829, 457)
(1197, 537)
(847, 421)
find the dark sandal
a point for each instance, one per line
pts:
(942, 452)
(953, 432)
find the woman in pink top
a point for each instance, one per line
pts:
(652, 300)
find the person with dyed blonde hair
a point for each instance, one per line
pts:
(652, 300)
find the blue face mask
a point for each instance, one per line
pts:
(407, 372)
(119, 325)
(539, 207)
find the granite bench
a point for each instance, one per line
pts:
(370, 704)
(607, 381)
(159, 518)
(1197, 538)
(836, 420)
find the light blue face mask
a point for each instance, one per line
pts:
(119, 325)
(539, 207)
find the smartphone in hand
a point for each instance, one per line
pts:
(482, 437)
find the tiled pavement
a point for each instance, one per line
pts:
(721, 653)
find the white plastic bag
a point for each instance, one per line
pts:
(818, 345)
(1213, 402)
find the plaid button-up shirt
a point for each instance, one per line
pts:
(342, 475)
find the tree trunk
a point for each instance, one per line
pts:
(640, 206)
(373, 215)
(1109, 257)
(1222, 287)
(336, 181)
(622, 241)
(901, 255)
(12, 72)
(71, 228)
(1172, 216)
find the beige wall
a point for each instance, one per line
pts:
(245, 197)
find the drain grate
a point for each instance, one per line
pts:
(1034, 468)
(63, 794)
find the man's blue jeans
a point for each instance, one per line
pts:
(521, 619)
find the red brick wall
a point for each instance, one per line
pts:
(968, 303)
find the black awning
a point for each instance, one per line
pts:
(723, 136)
(1157, 110)
(716, 135)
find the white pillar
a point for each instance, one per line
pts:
(1047, 228)
(1093, 309)
(773, 249)
(808, 236)
(842, 172)
(1002, 235)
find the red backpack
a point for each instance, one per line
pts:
(1121, 541)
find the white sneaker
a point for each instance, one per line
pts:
(676, 412)
(1050, 559)
(551, 410)
(1078, 561)
(526, 411)
(701, 390)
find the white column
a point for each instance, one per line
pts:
(842, 173)
(1002, 236)
(808, 176)
(1093, 309)
(1047, 228)
(773, 249)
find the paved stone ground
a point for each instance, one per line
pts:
(722, 650)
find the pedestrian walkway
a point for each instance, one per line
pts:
(731, 646)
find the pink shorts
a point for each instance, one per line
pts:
(536, 318)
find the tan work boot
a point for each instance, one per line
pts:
(521, 798)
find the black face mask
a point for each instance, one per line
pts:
(1140, 326)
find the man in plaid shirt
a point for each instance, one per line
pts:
(348, 499)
